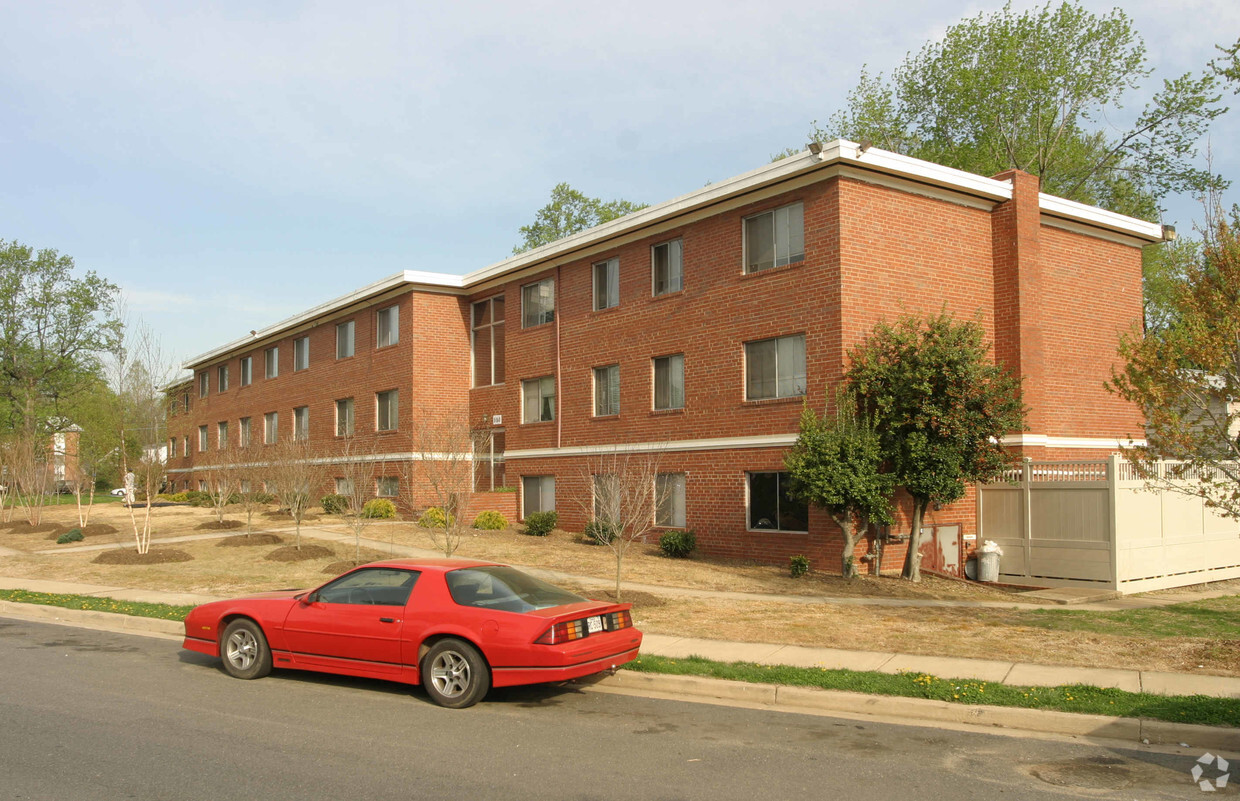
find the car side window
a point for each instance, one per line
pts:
(382, 586)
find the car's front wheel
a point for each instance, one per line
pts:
(244, 650)
(454, 674)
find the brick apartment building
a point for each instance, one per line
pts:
(698, 327)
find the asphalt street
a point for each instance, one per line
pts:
(98, 715)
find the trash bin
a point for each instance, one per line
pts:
(988, 561)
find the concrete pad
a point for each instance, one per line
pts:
(831, 658)
(948, 667)
(718, 650)
(1207, 738)
(56, 587)
(1070, 595)
(1055, 676)
(719, 689)
(1152, 681)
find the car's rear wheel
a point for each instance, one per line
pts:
(454, 674)
(244, 650)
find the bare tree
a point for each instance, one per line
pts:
(251, 479)
(356, 474)
(224, 478)
(624, 494)
(29, 468)
(445, 445)
(295, 473)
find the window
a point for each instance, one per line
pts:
(271, 428)
(202, 485)
(606, 284)
(344, 340)
(669, 489)
(386, 404)
(344, 417)
(669, 382)
(185, 446)
(665, 267)
(246, 485)
(202, 438)
(221, 434)
(301, 422)
(775, 368)
(247, 370)
(301, 353)
(271, 362)
(204, 382)
(538, 494)
(387, 486)
(770, 508)
(775, 238)
(488, 342)
(344, 486)
(538, 399)
(387, 325)
(185, 401)
(607, 390)
(538, 303)
(382, 586)
(172, 447)
(243, 432)
(607, 492)
(221, 378)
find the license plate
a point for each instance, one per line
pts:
(594, 624)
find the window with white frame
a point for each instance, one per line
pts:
(172, 447)
(247, 370)
(666, 272)
(243, 432)
(775, 368)
(245, 485)
(221, 378)
(607, 390)
(538, 399)
(301, 353)
(204, 384)
(221, 434)
(386, 408)
(770, 507)
(537, 494)
(344, 340)
(202, 485)
(185, 401)
(669, 491)
(387, 326)
(344, 417)
(669, 382)
(271, 362)
(488, 342)
(202, 438)
(606, 488)
(301, 422)
(387, 486)
(538, 303)
(606, 284)
(775, 238)
(185, 446)
(344, 486)
(271, 428)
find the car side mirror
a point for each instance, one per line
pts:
(309, 598)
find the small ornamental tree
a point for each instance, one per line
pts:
(295, 474)
(837, 463)
(940, 407)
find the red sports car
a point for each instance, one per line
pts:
(456, 627)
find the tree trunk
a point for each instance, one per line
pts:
(912, 560)
(848, 564)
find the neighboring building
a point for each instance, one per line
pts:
(699, 326)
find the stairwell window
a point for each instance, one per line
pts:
(488, 342)
(775, 238)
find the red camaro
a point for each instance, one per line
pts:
(456, 627)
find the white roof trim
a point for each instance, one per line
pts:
(1092, 215)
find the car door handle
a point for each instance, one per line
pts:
(387, 620)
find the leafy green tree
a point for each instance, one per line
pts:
(1228, 65)
(837, 463)
(940, 407)
(1038, 91)
(53, 329)
(1185, 376)
(568, 212)
(1164, 269)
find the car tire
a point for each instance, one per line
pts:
(244, 650)
(454, 674)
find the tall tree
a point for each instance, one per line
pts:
(941, 408)
(53, 329)
(568, 212)
(1039, 91)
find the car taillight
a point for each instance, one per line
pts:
(578, 629)
(563, 632)
(619, 620)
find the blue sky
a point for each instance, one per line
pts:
(232, 165)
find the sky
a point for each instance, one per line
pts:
(234, 163)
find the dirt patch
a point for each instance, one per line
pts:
(644, 600)
(22, 527)
(220, 525)
(336, 568)
(98, 529)
(247, 541)
(284, 515)
(156, 556)
(290, 553)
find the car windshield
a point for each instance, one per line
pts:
(505, 588)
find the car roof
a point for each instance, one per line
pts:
(432, 565)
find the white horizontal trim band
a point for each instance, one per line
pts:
(1045, 441)
(717, 444)
(369, 457)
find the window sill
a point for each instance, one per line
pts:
(774, 531)
(665, 412)
(667, 295)
(605, 310)
(745, 276)
(537, 423)
(604, 418)
(774, 401)
(525, 328)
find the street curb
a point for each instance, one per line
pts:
(90, 618)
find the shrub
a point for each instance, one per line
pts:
(798, 566)
(197, 498)
(379, 509)
(504, 489)
(678, 544)
(264, 497)
(434, 518)
(539, 524)
(490, 521)
(72, 535)
(599, 533)
(334, 504)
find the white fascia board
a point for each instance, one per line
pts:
(674, 446)
(1101, 218)
(1084, 443)
(928, 172)
(436, 281)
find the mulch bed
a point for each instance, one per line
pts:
(635, 597)
(283, 514)
(246, 541)
(125, 556)
(22, 527)
(290, 553)
(220, 525)
(93, 530)
(336, 568)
